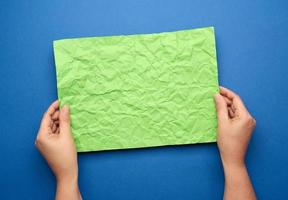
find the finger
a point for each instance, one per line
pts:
(57, 129)
(64, 120)
(227, 93)
(233, 108)
(231, 112)
(45, 128)
(221, 107)
(53, 107)
(55, 116)
(237, 104)
(228, 101)
(54, 128)
(46, 120)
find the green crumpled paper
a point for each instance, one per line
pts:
(139, 90)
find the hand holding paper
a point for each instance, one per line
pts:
(55, 142)
(235, 127)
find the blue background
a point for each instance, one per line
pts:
(252, 45)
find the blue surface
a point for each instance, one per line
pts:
(252, 44)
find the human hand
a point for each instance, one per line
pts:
(56, 144)
(235, 127)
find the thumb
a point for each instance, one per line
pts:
(64, 120)
(221, 107)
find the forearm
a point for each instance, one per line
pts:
(237, 183)
(68, 189)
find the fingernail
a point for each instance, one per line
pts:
(65, 108)
(216, 95)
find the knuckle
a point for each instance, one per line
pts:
(36, 144)
(254, 122)
(38, 141)
(237, 96)
(250, 121)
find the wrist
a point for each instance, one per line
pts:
(237, 166)
(69, 178)
(237, 163)
(67, 188)
(68, 183)
(234, 171)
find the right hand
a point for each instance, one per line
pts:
(56, 144)
(235, 127)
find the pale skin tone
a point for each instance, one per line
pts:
(55, 142)
(235, 127)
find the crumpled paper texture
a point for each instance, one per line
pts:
(139, 90)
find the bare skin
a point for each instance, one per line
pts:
(55, 142)
(235, 127)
